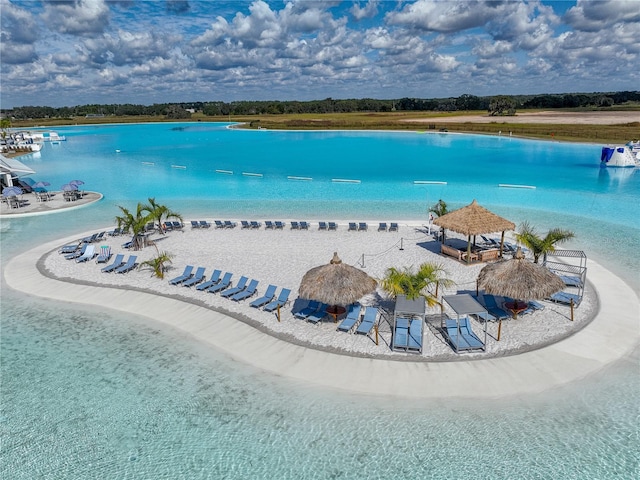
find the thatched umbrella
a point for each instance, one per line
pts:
(519, 279)
(474, 220)
(336, 283)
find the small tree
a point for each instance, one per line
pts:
(415, 284)
(157, 264)
(440, 208)
(541, 245)
(159, 213)
(135, 224)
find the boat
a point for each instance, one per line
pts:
(619, 156)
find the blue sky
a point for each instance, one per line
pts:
(123, 51)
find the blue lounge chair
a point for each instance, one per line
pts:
(353, 315)
(177, 225)
(245, 224)
(461, 336)
(536, 305)
(240, 286)
(167, 226)
(247, 292)
(77, 253)
(333, 226)
(268, 225)
(255, 224)
(311, 307)
(485, 316)
(393, 227)
(353, 227)
(130, 265)
(218, 223)
(185, 276)
(117, 262)
(222, 284)
(368, 321)
(295, 226)
(566, 298)
(266, 298)
(382, 227)
(99, 237)
(492, 306)
(322, 225)
(280, 225)
(105, 254)
(88, 254)
(319, 314)
(204, 224)
(281, 301)
(69, 249)
(197, 278)
(128, 244)
(215, 278)
(570, 280)
(362, 226)
(470, 337)
(304, 226)
(195, 224)
(401, 334)
(415, 335)
(115, 232)
(229, 224)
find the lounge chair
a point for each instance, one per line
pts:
(196, 278)
(167, 226)
(280, 225)
(268, 225)
(362, 226)
(353, 315)
(150, 227)
(130, 265)
(177, 225)
(229, 224)
(401, 334)
(218, 224)
(333, 226)
(255, 224)
(304, 226)
(353, 227)
(115, 232)
(491, 305)
(368, 321)
(566, 298)
(311, 307)
(461, 336)
(247, 292)
(105, 255)
(382, 227)
(68, 249)
(128, 244)
(222, 284)
(240, 286)
(295, 226)
(281, 301)
(570, 280)
(536, 305)
(245, 224)
(319, 314)
(77, 253)
(99, 237)
(322, 225)
(117, 262)
(90, 238)
(195, 224)
(185, 276)
(266, 298)
(471, 338)
(88, 254)
(204, 224)
(393, 227)
(485, 317)
(215, 278)
(415, 335)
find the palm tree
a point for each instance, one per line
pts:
(415, 284)
(440, 209)
(541, 245)
(135, 224)
(160, 213)
(157, 264)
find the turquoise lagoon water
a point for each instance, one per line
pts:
(98, 394)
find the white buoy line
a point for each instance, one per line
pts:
(428, 182)
(344, 180)
(510, 185)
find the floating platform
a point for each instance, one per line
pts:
(428, 182)
(344, 180)
(510, 185)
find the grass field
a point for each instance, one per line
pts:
(420, 121)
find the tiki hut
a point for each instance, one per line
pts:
(519, 279)
(474, 220)
(336, 283)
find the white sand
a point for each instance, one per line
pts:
(281, 257)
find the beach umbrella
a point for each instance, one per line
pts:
(40, 185)
(474, 220)
(76, 182)
(67, 187)
(11, 191)
(336, 284)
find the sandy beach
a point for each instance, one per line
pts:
(536, 352)
(545, 117)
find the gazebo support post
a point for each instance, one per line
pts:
(376, 329)
(571, 305)
(499, 329)
(501, 243)
(278, 312)
(468, 249)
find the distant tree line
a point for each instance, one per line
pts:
(500, 104)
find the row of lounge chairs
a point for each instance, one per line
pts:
(168, 226)
(222, 284)
(496, 312)
(200, 224)
(295, 225)
(120, 266)
(407, 334)
(315, 311)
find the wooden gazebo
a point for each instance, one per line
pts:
(474, 220)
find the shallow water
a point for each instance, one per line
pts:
(93, 394)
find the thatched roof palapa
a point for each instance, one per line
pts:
(519, 279)
(336, 283)
(474, 220)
